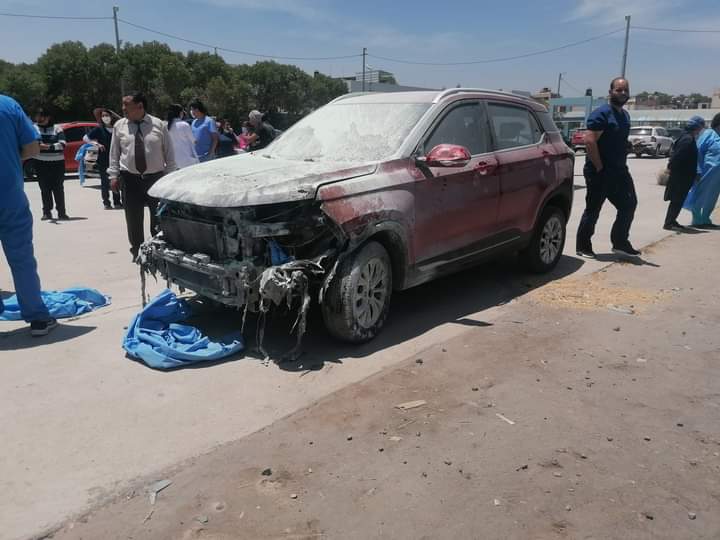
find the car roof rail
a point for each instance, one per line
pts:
(349, 95)
(451, 91)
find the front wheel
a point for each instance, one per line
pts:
(548, 241)
(357, 301)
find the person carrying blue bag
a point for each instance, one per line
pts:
(704, 195)
(19, 140)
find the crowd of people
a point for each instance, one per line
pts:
(136, 149)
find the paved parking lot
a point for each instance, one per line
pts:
(80, 421)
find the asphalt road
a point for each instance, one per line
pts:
(80, 421)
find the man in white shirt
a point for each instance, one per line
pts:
(140, 154)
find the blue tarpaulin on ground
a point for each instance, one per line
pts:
(156, 337)
(61, 304)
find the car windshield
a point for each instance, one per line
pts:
(349, 132)
(640, 131)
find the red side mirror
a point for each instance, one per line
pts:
(447, 155)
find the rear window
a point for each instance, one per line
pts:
(640, 131)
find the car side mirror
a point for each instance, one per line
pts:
(446, 155)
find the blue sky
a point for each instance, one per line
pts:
(429, 31)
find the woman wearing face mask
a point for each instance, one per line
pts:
(704, 195)
(101, 137)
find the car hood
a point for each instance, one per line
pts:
(251, 179)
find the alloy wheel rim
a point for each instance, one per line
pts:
(551, 240)
(370, 293)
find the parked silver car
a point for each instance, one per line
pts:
(650, 140)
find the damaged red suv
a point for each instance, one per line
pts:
(372, 193)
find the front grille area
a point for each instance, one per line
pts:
(198, 280)
(193, 236)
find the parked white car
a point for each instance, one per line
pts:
(650, 140)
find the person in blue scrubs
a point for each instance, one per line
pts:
(19, 140)
(607, 175)
(204, 130)
(704, 195)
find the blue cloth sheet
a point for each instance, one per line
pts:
(80, 158)
(156, 338)
(61, 304)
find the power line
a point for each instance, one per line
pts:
(686, 30)
(572, 86)
(500, 59)
(235, 51)
(52, 17)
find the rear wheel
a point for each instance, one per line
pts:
(358, 299)
(548, 241)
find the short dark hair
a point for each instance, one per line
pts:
(138, 97)
(715, 121)
(199, 105)
(616, 79)
(43, 111)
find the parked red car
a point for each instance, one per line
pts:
(578, 139)
(74, 132)
(371, 194)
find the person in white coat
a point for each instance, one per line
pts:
(181, 137)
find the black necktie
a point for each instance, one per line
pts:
(140, 161)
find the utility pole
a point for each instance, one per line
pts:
(625, 50)
(364, 58)
(559, 81)
(117, 50)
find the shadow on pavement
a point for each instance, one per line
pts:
(635, 261)
(451, 299)
(21, 339)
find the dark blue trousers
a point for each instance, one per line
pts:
(616, 187)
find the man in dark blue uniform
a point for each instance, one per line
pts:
(607, 175)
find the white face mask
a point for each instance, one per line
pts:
(107, 120)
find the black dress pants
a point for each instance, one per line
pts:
(51, 177)
(135, 200)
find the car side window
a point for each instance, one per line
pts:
(662, 132)
(74, 134)
(463, 126)
(513, 126)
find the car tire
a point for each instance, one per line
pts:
(658, 152)
(547, 243)
(357, 301)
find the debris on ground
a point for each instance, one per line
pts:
(156, 488)
(505, 418)
(594, 293)
(621, 309)
(411, 404)
(267, 472)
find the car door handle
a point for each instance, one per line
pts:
(484, 168)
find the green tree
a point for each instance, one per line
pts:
(67, 79)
